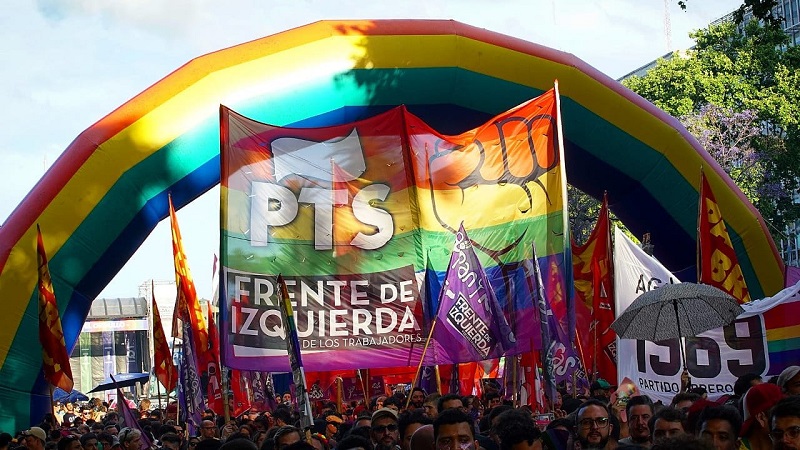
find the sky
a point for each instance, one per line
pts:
(68, 63)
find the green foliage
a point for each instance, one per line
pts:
(757, 73)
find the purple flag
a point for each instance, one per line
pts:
(470, 324)
(190, 396)
(427, 379)
(130, 419)
(547, 321)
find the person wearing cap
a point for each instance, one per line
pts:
(756, 403)
(384, 431)
(789, 380)
(785, 424)
(600, 388)
(35, 438)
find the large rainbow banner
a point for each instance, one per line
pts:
(353, 215)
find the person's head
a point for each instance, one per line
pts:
(170, 441)
(354, 442)
(418, 397)
(449, 401)
(111, 428)
(409, 423)
(192, 442)
(238, 443)
(600, 388)
(684, 400)
(667, 423)
(384, 430)
(785, 424)
(35, 438)
(592, 425)
(517, 430)
(756, 403)
(493, 420)
(130, 439)
(105, 440)
(286, 436)
(282, 416)
(287, 398)
(70, 442)
(453, 429)
(363, 420)
(492, 399)
(89, 441)
(319, 442)
(720, 426)
(745, 382)
(789, 380)
(639, 410)
(422, 439)
(682, 442)
(208, 429)
(430, 405)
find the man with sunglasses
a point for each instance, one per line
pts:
(592, 426)
(785, 424)
(384, 431)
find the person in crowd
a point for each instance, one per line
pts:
(354, 443)
(423, 439)
(592, 426)
(106, 440)
(282, 416)
(785, 424)
(517, 431)
(363, 420)
(720, 426)
(130, 439)
(192, 442)
(430, 405)
(35, 438)
(453, 430)
(492, 399)
(319, 442)
(89, 441)
(667, 423)
(684, 401)
(208, 430)
(639, 410)
(599, 389)
(170, 441)
(239, 444)
(742, 384)
(417, 397)
(449, 401)
(394, 403)
(682, 442)
(491, 424)
(411, 421)
(286, 436)
(384, 430)
(756, 403)
(70, 442)
(5, 441)
(789, 380)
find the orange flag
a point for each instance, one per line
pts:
(592, 269)
(165, 369)
(54, 351)
(719, 266)
(187, 306)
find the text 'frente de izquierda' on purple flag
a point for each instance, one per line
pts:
(470, 324)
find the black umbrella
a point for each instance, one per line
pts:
(122, 380)
(676, 311)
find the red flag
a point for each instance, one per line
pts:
(214, 390)
(592, 263)
(719, 266)
(165, 369)
(241, 398)
(187, 307)
(55, 359)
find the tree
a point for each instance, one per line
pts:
(761, 9)
(740, 95)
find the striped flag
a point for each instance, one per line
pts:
(55, 359)
(295, 359)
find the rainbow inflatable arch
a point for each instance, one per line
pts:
(108, 190)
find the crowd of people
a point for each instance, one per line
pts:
(760, 415)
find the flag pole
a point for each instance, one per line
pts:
(422, 358)
(438, 379)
